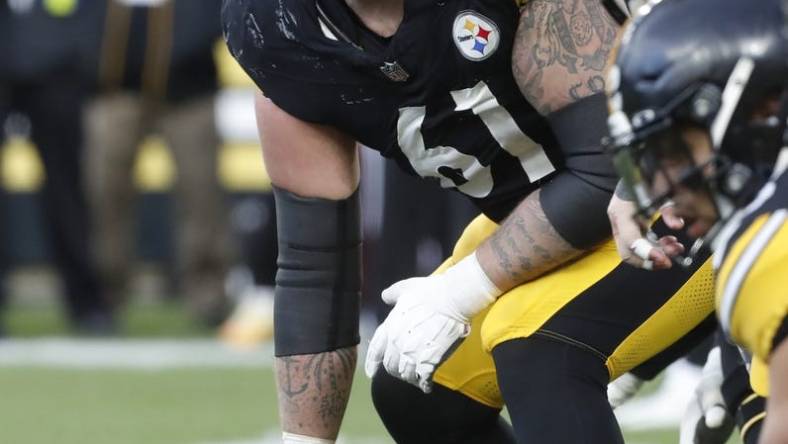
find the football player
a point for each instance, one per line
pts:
(723, 398)
(506, 106)
(698, 122)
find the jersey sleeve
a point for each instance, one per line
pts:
(274, 42)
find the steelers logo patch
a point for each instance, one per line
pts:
(475, 35)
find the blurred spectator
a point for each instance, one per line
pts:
(42, 45)
(156, 74)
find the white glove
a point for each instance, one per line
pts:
(706, 419)
(430, 315)
(622, 389)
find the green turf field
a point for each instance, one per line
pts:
(167, 407)
(198, 405)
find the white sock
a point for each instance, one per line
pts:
(292, 438)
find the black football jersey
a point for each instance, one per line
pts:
(438, 96)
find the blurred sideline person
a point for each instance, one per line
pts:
(42, 77)
(701, 127)
(431, 85)
(156, 73)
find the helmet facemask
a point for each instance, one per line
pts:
(661, 166)
(656, 160)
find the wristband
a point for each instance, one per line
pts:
(472, 290)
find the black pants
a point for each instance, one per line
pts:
(54, 106)
(555, 393)
(554, 381)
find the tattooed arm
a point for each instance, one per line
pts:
(313, 161)
(525, 246)
(313, 391)
(560, 52)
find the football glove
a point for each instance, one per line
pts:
(706, 419)
(622, 389)
(430, 315)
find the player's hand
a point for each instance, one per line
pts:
(417, 333)
(633, 247)
(622, 389)
(430, 315)
(706, 419)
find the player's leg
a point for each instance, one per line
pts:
(465, 402)
(442, 416)
(698, 338)
(555, 392)
(626, 386)
(202, 235)
(55, 110)
(611, 316)
(114, 126)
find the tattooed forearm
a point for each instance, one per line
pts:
(560, 51)
(313, 391)
(501, 252)
(525, 246)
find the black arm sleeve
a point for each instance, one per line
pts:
(575, 200)
(317, 297)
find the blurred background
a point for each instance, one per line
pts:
(138, 233)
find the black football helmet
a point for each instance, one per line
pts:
(705, 63)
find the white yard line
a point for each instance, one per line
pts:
(275, 437)
(152, 354)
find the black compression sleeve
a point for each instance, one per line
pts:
(318, 284)
(575, 200)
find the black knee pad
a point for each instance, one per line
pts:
(442, 416)
(318, 281)
(555, 392)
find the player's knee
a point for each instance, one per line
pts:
(387, 394)
(401, 407)
(443, 416)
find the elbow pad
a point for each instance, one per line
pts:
(575, 200)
